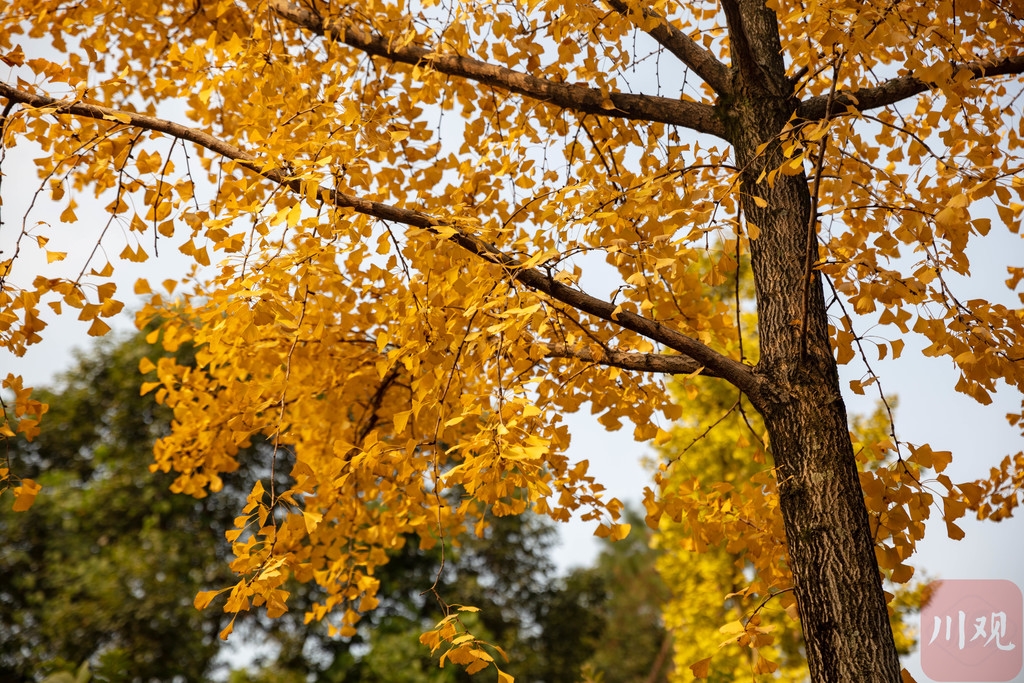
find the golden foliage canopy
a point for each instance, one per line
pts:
(399, 207)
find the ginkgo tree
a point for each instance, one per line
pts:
(402, 204)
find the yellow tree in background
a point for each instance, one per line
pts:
(402, 207)
(722, 548)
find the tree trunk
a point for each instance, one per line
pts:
(831, 553)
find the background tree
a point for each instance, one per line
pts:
(398, 301)
(106, 566)
(721, 540)
(723, 554)
(634, 646)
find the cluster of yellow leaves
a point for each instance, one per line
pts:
(870, 228)
(28, 412)
(461, 647)
(376, 405)
(723, 546)
(25, 420)
(723, 555)
(24, 493)
(750, 635)
(1000, 493)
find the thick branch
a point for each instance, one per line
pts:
(716, 365)
(266, 169)
(740, 51)
(701, 61)
(373, 405)
(897, 89)
(642, 362)
(573, 96)
(754, 48)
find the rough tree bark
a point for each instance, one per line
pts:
(831, 553)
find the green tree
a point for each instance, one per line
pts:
(106, 568)
(550, 626)
(634, 646)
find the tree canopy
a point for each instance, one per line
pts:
(402, 207)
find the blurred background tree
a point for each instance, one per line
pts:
(74, 588)
(74, 585)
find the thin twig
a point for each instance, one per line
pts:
(877, 381)
(708, 430)
(284, 391)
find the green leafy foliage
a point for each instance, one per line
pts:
(103, 568)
